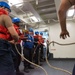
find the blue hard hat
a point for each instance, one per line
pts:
(30, 30)
(15, 20)
(36, 32)
(41, 33)
(4, 4)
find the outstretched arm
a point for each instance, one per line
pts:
(64, 6)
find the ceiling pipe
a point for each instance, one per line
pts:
(26, 14)
(22, 2)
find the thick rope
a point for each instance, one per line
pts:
(62, 44)
(54, 66)
(47, 59)
(31, 62)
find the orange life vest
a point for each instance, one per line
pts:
(3, 30)
(2, 11)
(40, 39)
(18, 31)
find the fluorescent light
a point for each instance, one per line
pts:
(36, 2)
(70, 13)
(34, 19)
(17, 3)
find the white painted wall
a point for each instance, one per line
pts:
(58, 50)
(62, 51)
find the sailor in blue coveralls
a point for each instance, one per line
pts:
(28, 50)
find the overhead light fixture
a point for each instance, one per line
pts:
(17, 3)
(37, 2)
(34, 19)
(70, 13)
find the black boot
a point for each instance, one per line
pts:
(30, 67)
(26, 70)
(19, 73)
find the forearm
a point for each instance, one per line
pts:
(62, 20)
(13, 33)
(64, 6)
(12, 42)
(15, 37)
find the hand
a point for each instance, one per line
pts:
(12, 41)
(64, 34)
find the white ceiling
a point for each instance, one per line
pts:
(45, 11)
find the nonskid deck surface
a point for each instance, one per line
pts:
(64, 64)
